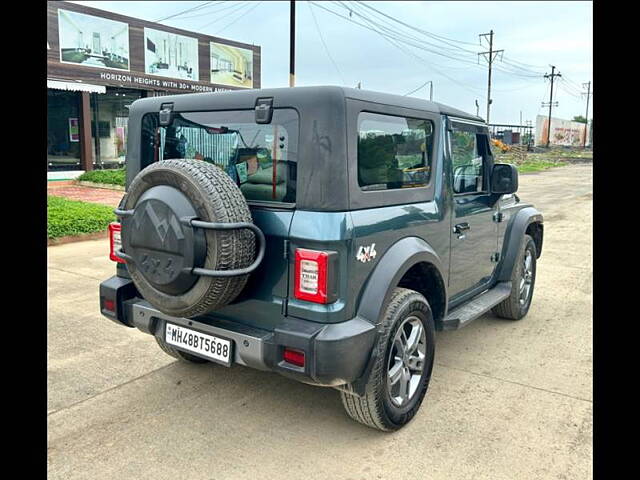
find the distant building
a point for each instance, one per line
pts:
(563, 132)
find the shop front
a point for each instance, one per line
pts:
(99, 62)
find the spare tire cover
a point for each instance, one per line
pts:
(163, 246)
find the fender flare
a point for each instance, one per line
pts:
(395, 262)
(512, 239)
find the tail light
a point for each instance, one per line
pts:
(115, 241)
(314, 276)
(294, 357)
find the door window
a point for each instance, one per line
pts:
(467, 160)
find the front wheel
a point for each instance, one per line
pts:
(402, 370)
(523, 279)
(175, 353)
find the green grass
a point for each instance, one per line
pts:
(71, 217)
(538, 165)
(114, 176)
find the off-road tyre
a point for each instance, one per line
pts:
(216, 198)
(376, 409)
(184, 356)
(511, 308)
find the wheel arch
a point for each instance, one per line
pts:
(401, 266)
(526, 221)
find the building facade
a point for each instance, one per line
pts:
(99, 62)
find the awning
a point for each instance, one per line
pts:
(76, 86)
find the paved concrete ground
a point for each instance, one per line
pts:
(507, 400)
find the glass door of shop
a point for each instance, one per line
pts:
(110, 117)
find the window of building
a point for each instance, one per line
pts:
(393, 152)
(260, 158)
(63, 130)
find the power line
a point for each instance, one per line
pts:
(210, 12)
(408, 52)
(242, 15)
(326, 49)
(197, 7)
(236, 8)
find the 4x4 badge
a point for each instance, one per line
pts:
(366, 254)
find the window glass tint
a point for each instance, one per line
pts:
(468, 165)
(259, 158)
(393, 152)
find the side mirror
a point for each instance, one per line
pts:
(504, 178)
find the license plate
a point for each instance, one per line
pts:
(213, 348)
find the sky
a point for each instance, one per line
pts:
(331, 50)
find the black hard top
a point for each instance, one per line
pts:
(240, 99)
(325, 133)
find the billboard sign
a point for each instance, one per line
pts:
(85, 44)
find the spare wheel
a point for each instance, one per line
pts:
(178, 263)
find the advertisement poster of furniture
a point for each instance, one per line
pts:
(231, 66)
(93, 41)
(170, 55)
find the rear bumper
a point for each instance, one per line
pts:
(335, 354)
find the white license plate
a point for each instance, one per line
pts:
(214, 348)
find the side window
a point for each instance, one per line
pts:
(393, 152)
(467, 155)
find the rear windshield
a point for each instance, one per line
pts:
(260, 158)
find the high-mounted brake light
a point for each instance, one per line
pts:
(115, 241)
(313, 276)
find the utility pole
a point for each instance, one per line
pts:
(586, 115)
(292, 44)
(551, 104)
(492, 54)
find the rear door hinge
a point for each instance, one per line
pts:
(286, 249)
(495, 257)
(498, 217)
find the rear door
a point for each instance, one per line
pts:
(474, 232)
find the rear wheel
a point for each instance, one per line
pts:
(402, 370)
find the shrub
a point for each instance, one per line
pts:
(114, 176)
(71, 217)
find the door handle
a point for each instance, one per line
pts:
(460, 228)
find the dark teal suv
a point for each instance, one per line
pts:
(323, 233)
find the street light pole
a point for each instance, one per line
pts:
(292, 44)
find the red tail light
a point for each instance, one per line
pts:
(115, 241)
(311, 275)
(294, 357)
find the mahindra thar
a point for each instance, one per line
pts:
(323, 233)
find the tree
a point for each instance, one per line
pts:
(580, 119)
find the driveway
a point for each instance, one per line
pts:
(507, 399)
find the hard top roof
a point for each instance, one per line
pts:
(247, 98)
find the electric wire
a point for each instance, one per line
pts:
(326, 49)
(236, 9)
(197, 7)
(242, 15)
